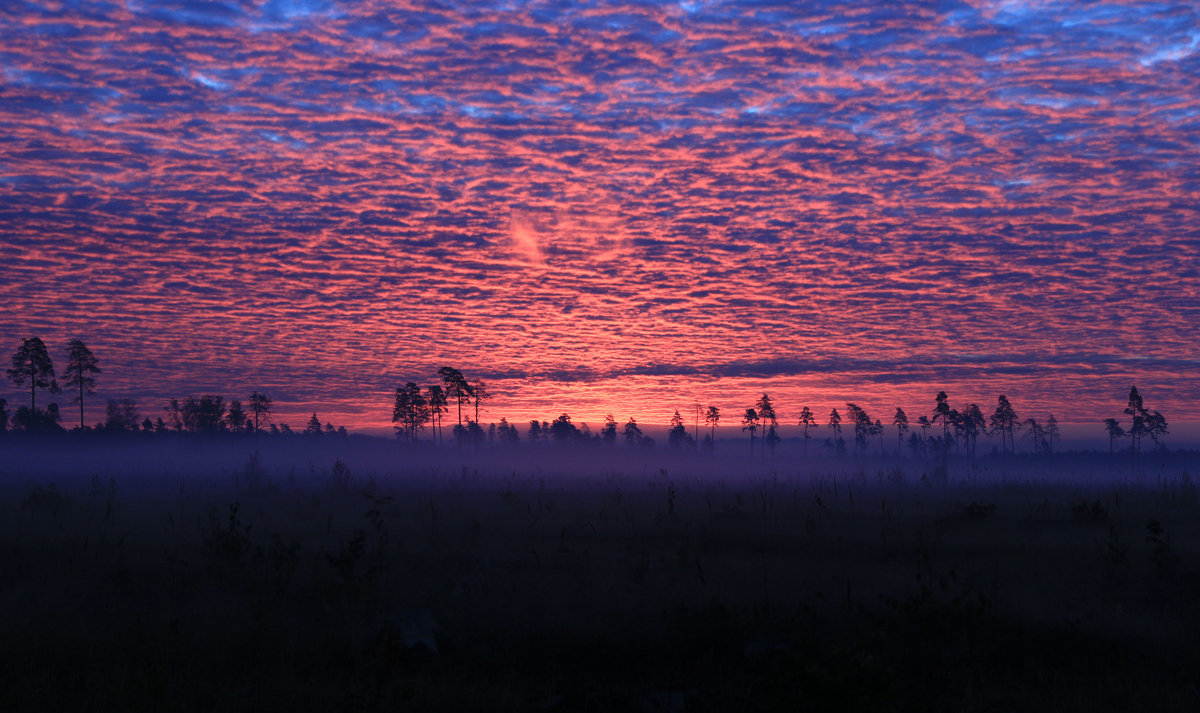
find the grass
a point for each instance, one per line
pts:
(841, 589)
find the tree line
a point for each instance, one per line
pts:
(942, 430)
(960, 428)
(33, 368)
(416, 407)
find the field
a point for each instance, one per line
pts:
(356, 575)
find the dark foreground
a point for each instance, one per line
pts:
(870, 590)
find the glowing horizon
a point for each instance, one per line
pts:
(608, 207)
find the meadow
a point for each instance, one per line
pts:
(359, 575)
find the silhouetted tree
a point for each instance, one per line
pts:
(750, 423)
(469, 435)
(633, 434)
(608, 432)
(916, 444)
(942, 412)
(862, 425)
(1004, 421)
(562, 430)
(436, 398)
(959, 426)
(208, 414)
(121, 415)
(699, 408)
(1156, 428)
(79, 375)
(1113, 426)
(900, 421)
(678, 435)
(535, 431)
(766, 412)
(3, 415)
(1037, 434)
(479, 394)
(37, 420)
(1052, 433)
(260, 409)
(205, 414)
(314, 426)
(925, 424)
(972, 423)
(507, 433)
(475, 434)
(236, 417)
(410, 411)
(771, 439)
(807, 419)
(1136, 409)
(457, 387)
(31, 364)
(712, 417)
(147, 425)
(835, 424)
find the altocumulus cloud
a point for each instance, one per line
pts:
(688, 192)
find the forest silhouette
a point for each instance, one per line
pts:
(418, 409)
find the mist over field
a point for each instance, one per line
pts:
(213, 463)
(193, 573)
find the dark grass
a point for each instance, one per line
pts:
(832, 591)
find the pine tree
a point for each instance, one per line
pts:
(435, 396)
(862, 425)
(1136, 409)
(750, 423)
(410, 411)
(766, 412)
(31, 364)
(457, 387)
(608, 432)
(678, 435)
(1004, 421)
(632, 433)
(807, 419)
(900, 421)
(260, 409)
(972, 422)
(1113, 426)
(236, 417)
(711, 418)
(835, 427)
(942, 412)
(80, 371)
(479, 394)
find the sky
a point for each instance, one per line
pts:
(624, 207)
